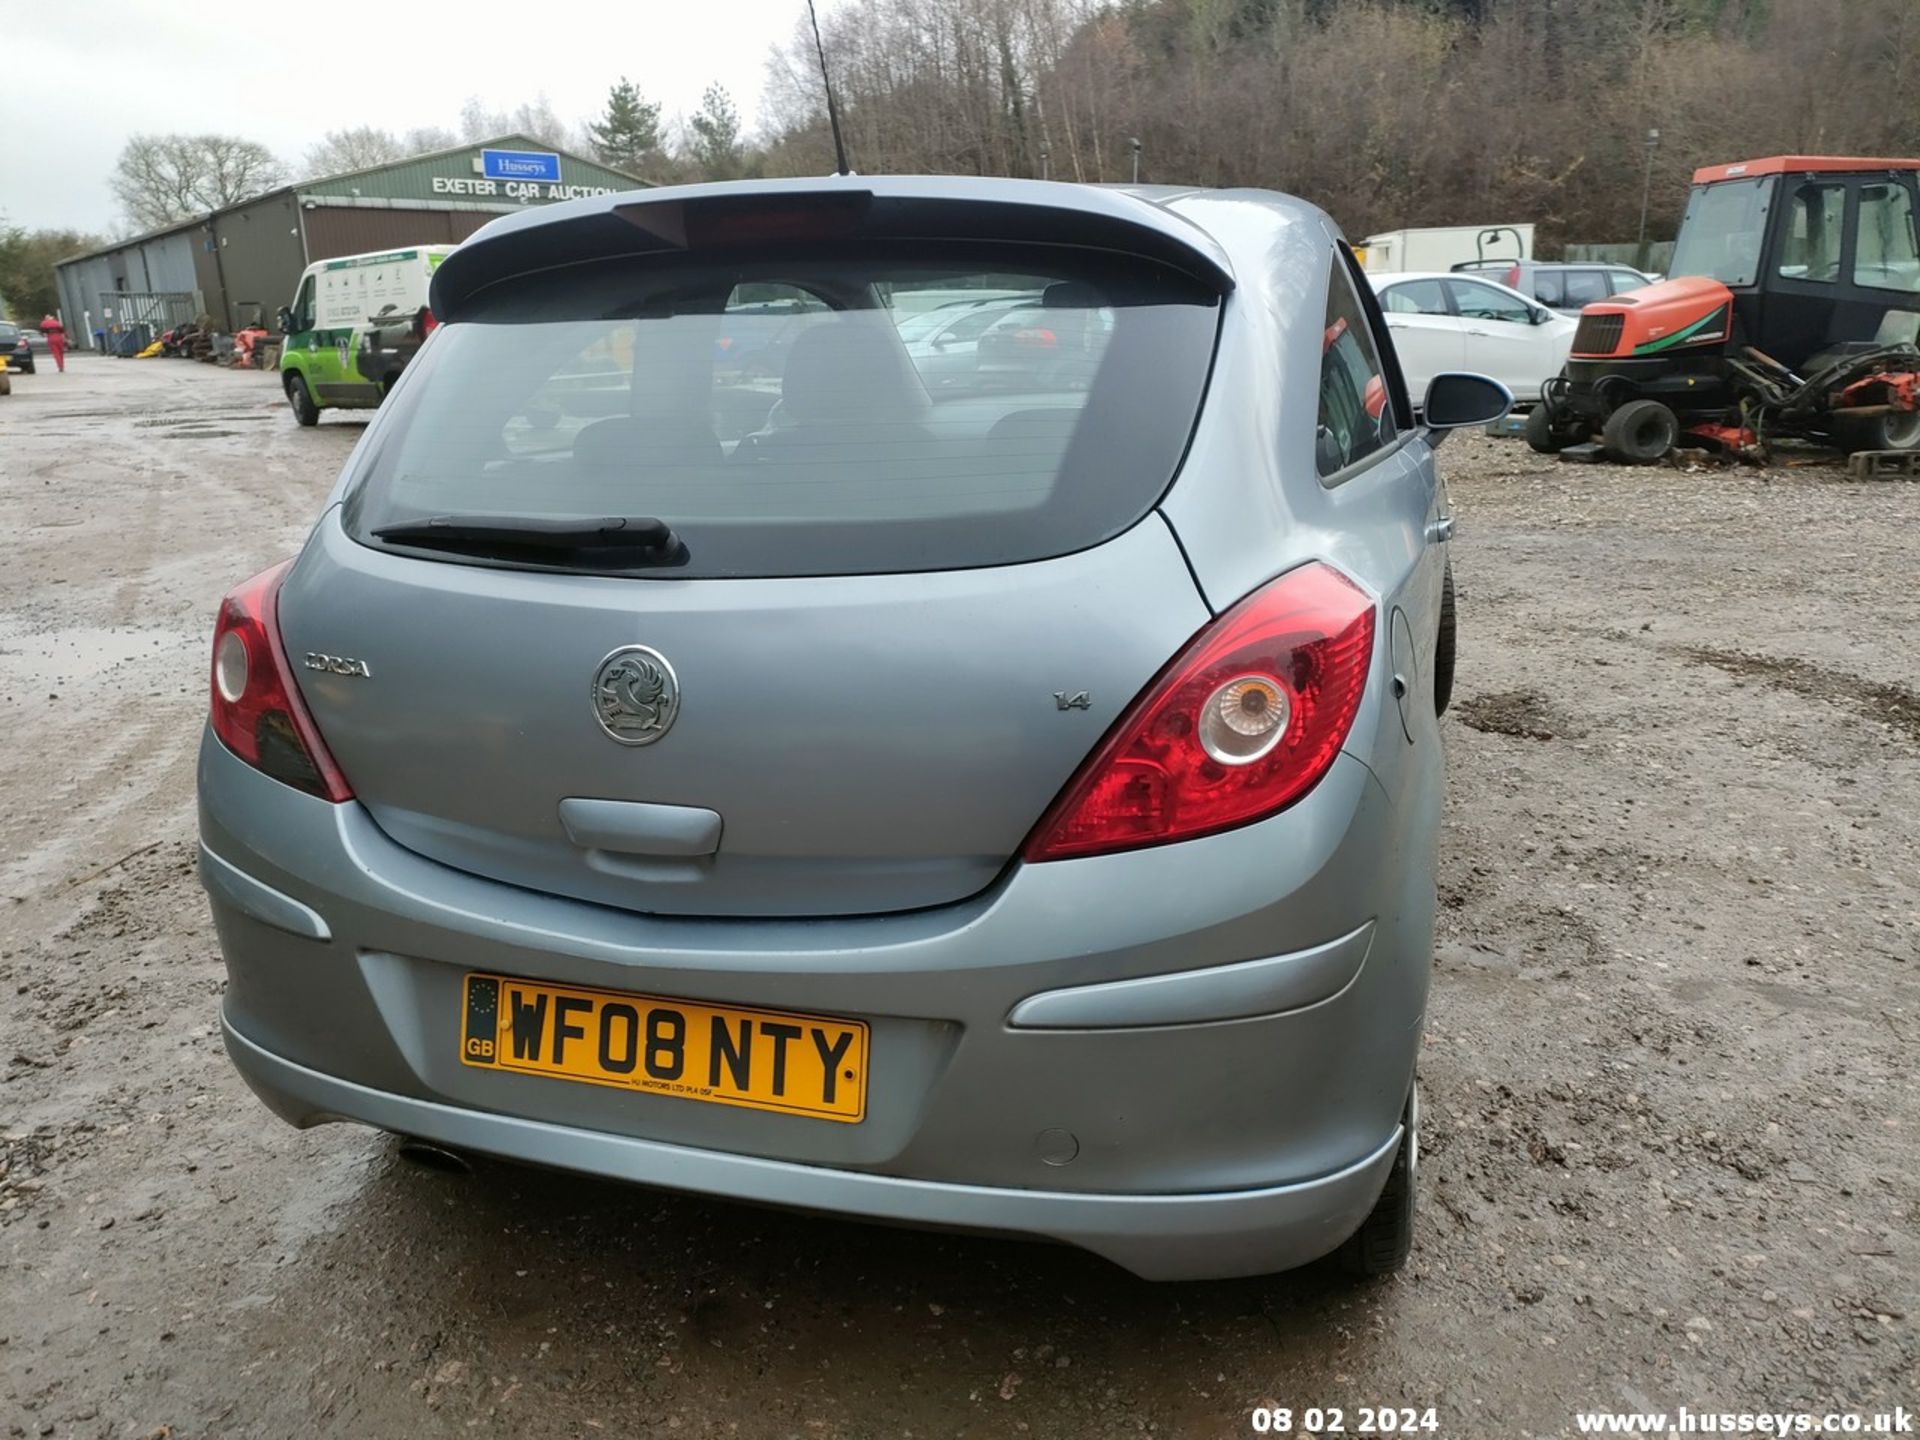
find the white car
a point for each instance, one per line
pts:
(1458, 321)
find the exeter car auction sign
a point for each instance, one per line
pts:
(523, 175)
(521, 190)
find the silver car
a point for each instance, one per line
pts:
(1012, 809)
(944, 343)
(1566, 286)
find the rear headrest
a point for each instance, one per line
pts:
(625, 442)
(850, 368)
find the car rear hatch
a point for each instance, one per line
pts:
(606, 615)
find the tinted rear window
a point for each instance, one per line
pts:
(802, 417)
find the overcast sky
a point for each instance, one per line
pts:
(86, 74)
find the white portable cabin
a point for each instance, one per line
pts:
(1441, 247)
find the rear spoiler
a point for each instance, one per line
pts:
(689, 219)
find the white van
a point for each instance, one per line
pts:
(354, 323)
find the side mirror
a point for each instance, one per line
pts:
(1541, 314)
(286, 320)
(1456, 400)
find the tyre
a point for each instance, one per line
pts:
(1893, 430)
(1385, 1238)
(1540, 436)
(1639, 432)
(1443, 648)
(301, 399)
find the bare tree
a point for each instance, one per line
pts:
(480, 122)
(422, 138)
(161, 179)
(535, 119)
(362, 147)
(356, 148)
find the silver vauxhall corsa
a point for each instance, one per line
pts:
(1007, 805)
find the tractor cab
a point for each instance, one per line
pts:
(1793, 307)
(1818, 252)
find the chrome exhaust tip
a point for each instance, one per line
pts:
(431, 1157)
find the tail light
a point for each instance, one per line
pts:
(1036, 338)
(1244, 722)
(257, 712)
(1513, 278)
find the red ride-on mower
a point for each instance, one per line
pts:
(1794, 311)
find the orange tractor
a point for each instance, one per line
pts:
(1794, 310)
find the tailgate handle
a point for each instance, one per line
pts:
(631, 827)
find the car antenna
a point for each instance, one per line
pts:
(833, 110)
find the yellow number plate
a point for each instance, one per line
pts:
(761, 1059)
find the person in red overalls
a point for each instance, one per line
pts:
(56, 334)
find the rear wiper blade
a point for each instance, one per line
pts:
(542, 538)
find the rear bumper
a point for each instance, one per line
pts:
(1158, 1237)
(1224, 1031)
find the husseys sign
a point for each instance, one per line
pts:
(523, 175)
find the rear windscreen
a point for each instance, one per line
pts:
(888, 412)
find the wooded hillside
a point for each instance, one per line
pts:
(1386, 112)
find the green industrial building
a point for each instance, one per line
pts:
(240, 265)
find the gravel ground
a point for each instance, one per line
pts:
(1671, 1114)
